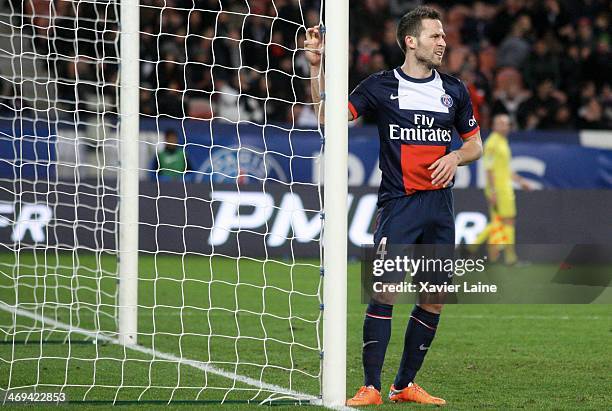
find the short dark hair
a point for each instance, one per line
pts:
(411, 23)
(170, 132)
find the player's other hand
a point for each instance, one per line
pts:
(492, 199)
(314, 45)
(444, 169)
(525, 185)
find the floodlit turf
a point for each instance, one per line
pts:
(484, 356)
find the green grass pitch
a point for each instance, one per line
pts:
(484, 356)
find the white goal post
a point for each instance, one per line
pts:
(129, 129)
(124, 280)
(336, 192)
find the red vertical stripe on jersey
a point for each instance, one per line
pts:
(415, 161)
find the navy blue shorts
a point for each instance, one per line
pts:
(425, 217)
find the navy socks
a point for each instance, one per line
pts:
(419, 335)
(376, 335)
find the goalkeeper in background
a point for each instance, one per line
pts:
(499, 192)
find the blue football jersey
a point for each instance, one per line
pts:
(415, 119)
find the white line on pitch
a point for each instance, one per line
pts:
(165, 356)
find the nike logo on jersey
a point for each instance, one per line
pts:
(423, 348)
(393, 97)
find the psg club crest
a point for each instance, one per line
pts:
(447, 101)
(240, 165)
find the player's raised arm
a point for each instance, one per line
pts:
(315, 45)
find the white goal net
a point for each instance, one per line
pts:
(229, 289)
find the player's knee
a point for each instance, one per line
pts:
(377, 309)
(385, 298)
(432, 308)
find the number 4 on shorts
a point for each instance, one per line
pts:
(381, 251)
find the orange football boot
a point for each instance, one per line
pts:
(366, 396)
(414, 393)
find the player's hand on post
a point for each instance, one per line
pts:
(444, 169)
(314, 45)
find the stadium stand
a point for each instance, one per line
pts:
(546, 63)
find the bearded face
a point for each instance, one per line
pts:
(429, 46)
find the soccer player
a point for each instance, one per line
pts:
(416, 108)
(500, 193)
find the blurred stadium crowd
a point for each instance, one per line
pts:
(545, 63)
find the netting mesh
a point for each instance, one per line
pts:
(229, 308)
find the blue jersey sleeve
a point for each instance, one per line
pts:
(465, 123)
(363, 99)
